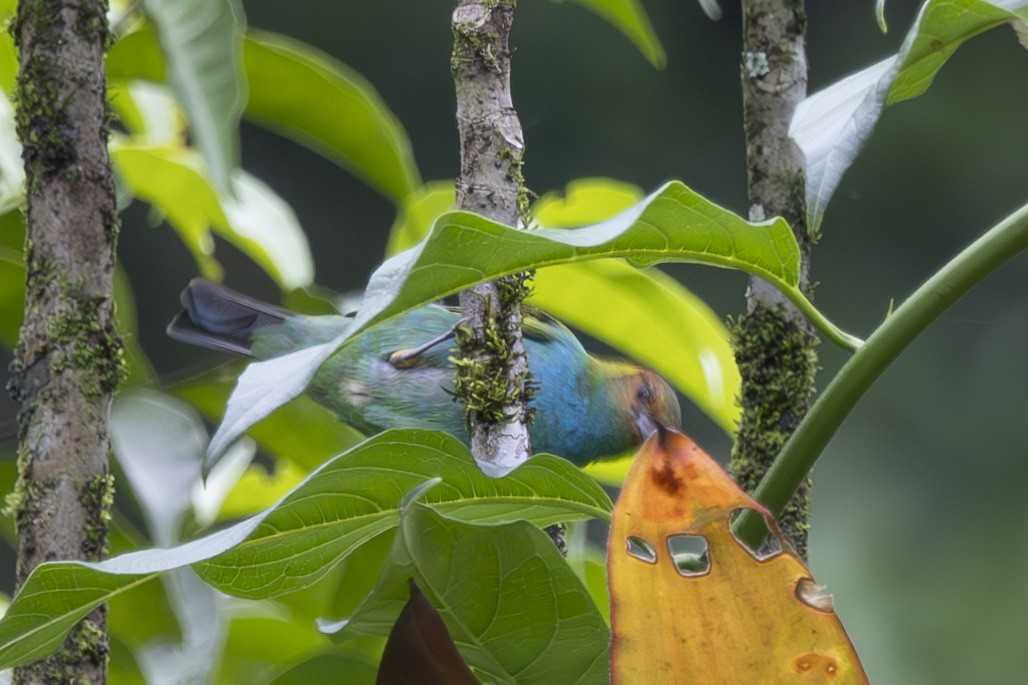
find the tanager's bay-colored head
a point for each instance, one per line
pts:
(651, 402)
(627, 403)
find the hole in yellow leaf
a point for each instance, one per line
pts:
(813, 595)
(812, 662)
(771, 546)
(689, 552)
(641, 550)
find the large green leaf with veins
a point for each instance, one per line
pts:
(348, 502)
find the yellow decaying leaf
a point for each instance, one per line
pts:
(690, 603)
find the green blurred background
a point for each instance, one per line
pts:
(920, 523)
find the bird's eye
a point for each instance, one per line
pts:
(645, 395)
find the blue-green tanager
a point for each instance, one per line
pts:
(398, 374)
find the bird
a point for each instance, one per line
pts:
(400, 373)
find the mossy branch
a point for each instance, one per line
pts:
(775, 348)
(948, 285)
(492, 369)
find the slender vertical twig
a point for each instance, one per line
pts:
(68, 359)
(775, 347)
(492, 368)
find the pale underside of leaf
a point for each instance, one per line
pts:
(832, 125)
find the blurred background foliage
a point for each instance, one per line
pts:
(920, 526)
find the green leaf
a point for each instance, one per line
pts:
(591, 569)
(136, 55)
(256, 489)
(832, 125)
(12, 169)
(201, 41)
(349, 501)
(531, 622)
(142, 615)
(264, 226)
(629, 17)
(263, 640)
(941, 27)
(149, 112)
(417, 212)
(53, 599)
(307, 96)
(356, 497)
(302, 93)
(330, 669)
(255, 220)
(8, 60)
(12, 295)
(173, 181)
(358, 575)
(198, 610)
(585, 201)
(672, 224)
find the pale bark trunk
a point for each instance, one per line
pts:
(68, 361)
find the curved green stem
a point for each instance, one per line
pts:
(840, 337)
(945, 287)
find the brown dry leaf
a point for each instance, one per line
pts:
(420, 650)
(690, 603)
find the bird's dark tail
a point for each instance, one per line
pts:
(220, 318)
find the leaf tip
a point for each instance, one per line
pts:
(416, 492)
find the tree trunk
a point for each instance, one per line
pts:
(775, 346)
(492, 368)
(68, 360)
